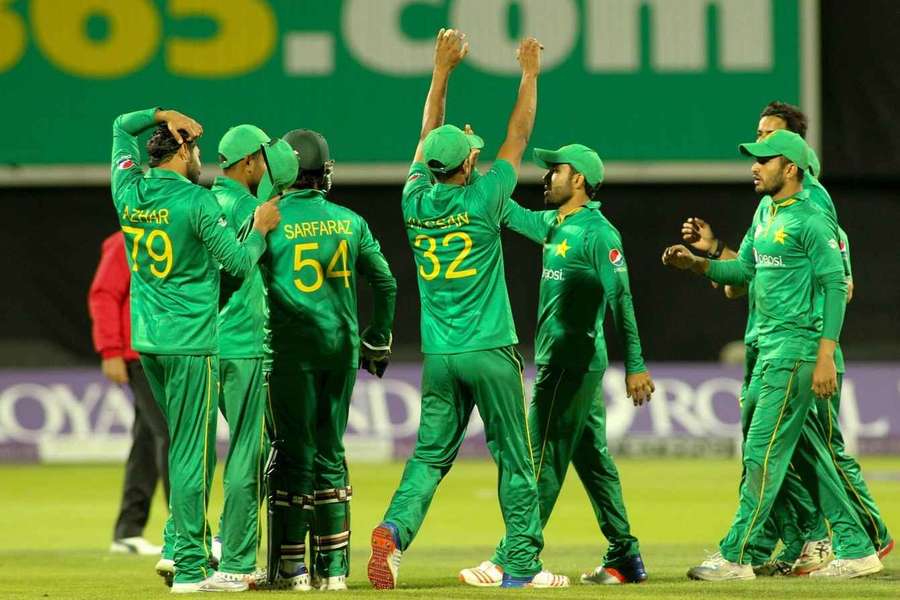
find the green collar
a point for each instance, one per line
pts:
(228, 183)
(157, 173)
(798, 197)
(305, 194)
(590, 205)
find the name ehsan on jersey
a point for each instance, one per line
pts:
(767, 260)
(457, 220)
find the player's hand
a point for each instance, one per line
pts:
(639, 387)
(374, 358)
(849, 289)
(450, 48)
(267, 216)
(174, 120)
(115, 370)
(824, 379)
(680, 257)
(529, 56)
(697, 232)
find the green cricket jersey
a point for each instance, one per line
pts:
(243, 331)
(175, 233)
(820, 197)
(792, 255)
(584, 271)
(454, 232)
(311, 269)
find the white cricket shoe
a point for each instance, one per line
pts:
(225, 582)
(165, 568)
(848, 568)
(487, 574)
(334, 583)
(717, 568)
(297, 580)
(186, 588)
(134, 545)
(546, 579)
(814, 556)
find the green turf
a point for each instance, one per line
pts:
(56, 521)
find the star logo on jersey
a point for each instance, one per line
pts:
(780, 235)
(562, 248)
(126, 163)
(616, 257)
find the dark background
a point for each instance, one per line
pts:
(51, 239)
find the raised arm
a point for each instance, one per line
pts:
(521, 121)
(450, 48)
(126, 154)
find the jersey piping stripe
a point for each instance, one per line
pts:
(549, 418)
(259, 459)
(521, 368)
(849, 485)
(204, 472)
(762, 486)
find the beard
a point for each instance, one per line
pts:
(772, 187)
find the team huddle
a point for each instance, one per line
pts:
(243, 300)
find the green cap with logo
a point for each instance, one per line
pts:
(446, 147)
(240, 141)
(283, 166)
(781, 143)
(583, 159)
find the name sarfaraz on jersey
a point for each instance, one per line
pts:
(767, 260)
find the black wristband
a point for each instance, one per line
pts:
(720, 247)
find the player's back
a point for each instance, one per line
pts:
(454, 232)
(175, 281)
(311, 268)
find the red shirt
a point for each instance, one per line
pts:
(108, 301)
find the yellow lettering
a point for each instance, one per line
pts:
(12, 32)
(307, 228)
(164, 216)
(245, 37)
(59, 31)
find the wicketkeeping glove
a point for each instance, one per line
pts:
(374, 359)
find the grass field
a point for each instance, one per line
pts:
(56, 522)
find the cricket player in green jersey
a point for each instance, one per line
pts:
(468, 335)
(176, 238)
(792, 254)
(314, 259)
(583, 272)
(242, 326)
(795, 520)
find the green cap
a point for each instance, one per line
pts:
(814, 166)
(283, 165)
(446, 147)
(780, 143)
(311, 146)
(240, 141)
(583, 159)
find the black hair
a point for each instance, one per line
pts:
(310, 179)
(162, 146)
(589, 190)
(445, 177)
(793, 117)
